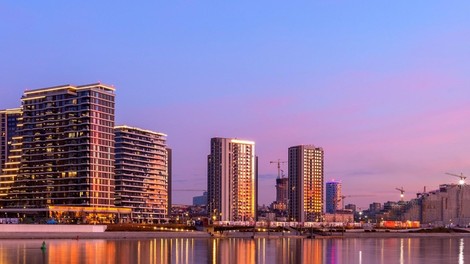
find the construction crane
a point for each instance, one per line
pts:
(461, 176)
(343, 197)
(402, 192)
(278, 162)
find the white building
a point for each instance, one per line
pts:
(142, 173)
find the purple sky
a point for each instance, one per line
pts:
(384, 89)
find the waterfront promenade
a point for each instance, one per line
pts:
(201, 234)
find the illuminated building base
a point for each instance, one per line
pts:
(69, 214)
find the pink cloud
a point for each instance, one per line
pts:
(378, 131)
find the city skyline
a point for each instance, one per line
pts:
(382, 88)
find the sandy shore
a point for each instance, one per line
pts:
(197, 234)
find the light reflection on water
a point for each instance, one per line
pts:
(185, 250)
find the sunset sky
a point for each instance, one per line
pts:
(383, 87)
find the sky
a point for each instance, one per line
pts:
(383, 87)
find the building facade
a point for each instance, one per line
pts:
(446, 206)
(375, 207)
(169, 156)
(63, 151)
(280, 205)
(281, 191)
(9, 119)
(200, 200)
(305, 183)
(351, 207)
(333, 196)
(232, 180)
(142, 174)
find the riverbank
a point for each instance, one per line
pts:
(104, 235)
(201, 235)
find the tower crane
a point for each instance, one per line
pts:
(461, 176)
(402, 192)
(343, 197)
(278, 162)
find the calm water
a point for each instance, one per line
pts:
(389, 250)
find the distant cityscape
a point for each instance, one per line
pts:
(63, 158)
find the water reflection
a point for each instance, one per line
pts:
(461, 251)
(263, 250)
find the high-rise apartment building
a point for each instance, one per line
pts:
(232, 180)
(333, 196)
(8, 124)
(62, 157)
(305, 183)
(142, 174)
(9, 119)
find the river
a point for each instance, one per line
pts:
(238, 250)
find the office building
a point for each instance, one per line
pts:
(142, 174)
(232, 180)
(62, 158)
(305, 176)
(333, 196)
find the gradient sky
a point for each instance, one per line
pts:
(383, 87)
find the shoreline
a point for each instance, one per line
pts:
(205, 235)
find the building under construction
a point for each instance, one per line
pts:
(447, 206)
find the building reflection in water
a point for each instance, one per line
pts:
(461, 254)
(232, 250)
(236, 250)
